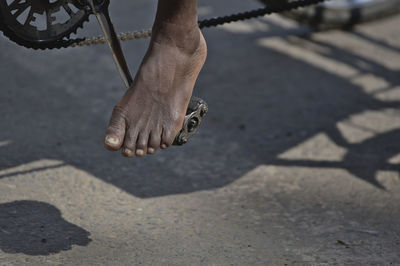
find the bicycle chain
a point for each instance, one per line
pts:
(280, 6)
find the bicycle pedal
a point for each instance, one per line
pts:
(195, 113)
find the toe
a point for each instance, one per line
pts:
(128, 153)
(167, 138)
(130, 143)
(154, 142)
(116, 130)
(141, 145)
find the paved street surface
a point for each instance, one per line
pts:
(297, 162)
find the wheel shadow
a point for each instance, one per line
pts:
(262, 103)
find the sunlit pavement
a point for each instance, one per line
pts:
(297, 162)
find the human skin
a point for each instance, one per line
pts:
(152, 111)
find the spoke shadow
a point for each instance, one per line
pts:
(363, 159)
(37, 228)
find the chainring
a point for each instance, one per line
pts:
(41, 24)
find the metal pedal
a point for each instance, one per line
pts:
(196, 111)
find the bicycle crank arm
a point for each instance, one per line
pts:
(197, 108)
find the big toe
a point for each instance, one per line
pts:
(115, 132)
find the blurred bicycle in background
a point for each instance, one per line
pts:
(343, 13)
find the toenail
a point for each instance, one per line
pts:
(139, 152)
(164, 146)
(128, 152)
(111, 140)
(151, 150)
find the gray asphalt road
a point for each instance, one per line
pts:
(297, 162)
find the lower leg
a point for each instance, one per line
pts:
(151, 112)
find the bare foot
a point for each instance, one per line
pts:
(152, 111)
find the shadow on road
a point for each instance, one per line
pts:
(262, 101)
(37, 228)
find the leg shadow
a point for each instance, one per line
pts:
(37, 228)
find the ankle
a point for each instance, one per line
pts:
(186, 38)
